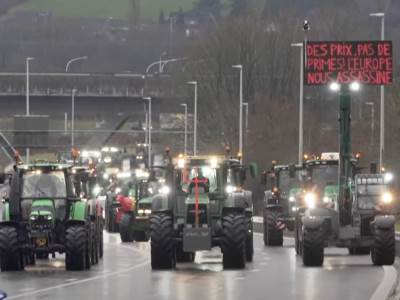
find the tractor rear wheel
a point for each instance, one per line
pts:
(297, 233)
(125, 229)
(234, 241)
(11, 259)
(101, 238)
(76, 242)
(162, 243)
(249, 239)
(313, 247)
(95, 251)
(273, 236)
(383, 250)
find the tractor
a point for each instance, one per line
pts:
(43, 215)
(283, 187)
(360, 217)
(206, 207)
(135, 204)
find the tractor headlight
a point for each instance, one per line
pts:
(310, 200)
(118, 190)
(34, 218)
(327, 199)
(49, 217)
(230, 189)
(147, 211)
(387, 198)
(165, 190)
(292, 199)
(140, 211)
(106, 176)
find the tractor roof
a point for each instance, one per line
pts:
(44, 165)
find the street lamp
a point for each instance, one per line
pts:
(149, 131)
(73, 118)
(186, 119)
(28, 59)
(372, 105)
(240, 67)
(382, 123)
(195, 117)
(301, 101)
(74, 60)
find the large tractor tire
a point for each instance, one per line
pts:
(272, 236)
(383, 250)
(141, 236)
(184, 257)
(11, 259)
(313, 247)
(297, 232)
(162, 242)
(94, 257)
(234, 241)
(76, 242)
(125, 229)
(249, 239)
(101, 239)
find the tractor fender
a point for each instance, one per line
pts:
(384, 222)
(10, 224)
(312, 222)
(79, 211)
(161, 203)
(238, 200)
(70, 223)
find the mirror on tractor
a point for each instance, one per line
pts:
(292, 171)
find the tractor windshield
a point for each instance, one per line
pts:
(324, 175)
(199, 172)
(44, 184)
(286, 183)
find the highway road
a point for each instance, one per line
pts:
(276, 273)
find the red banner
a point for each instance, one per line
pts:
(369, 62)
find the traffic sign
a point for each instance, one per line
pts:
(367, 62)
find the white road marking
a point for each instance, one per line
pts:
(26, 290)
(387, 284)
(63, 285)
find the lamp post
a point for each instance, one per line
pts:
(74, 60)
(240, 67)
(73, 118)
(246, 107)
(382, 95)
(194, 83)
(186, 119)
(372, 105)
(301, 101)
(149, 131)
(28, 59)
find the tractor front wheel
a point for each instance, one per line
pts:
(11, 259)
(273, 236)
(125, 229)
(162, 243)
(76, 242)
(234, 241)
(313, 247)
(249, 239)
(383, 250)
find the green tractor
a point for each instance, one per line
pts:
(360, 218)
(135, 204)
(283, 187)
(205, 208)
(43, 215)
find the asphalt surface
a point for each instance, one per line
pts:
(125, 273)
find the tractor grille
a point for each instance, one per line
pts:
(365, 226)
(191, 215)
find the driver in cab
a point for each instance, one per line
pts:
(200, 180)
